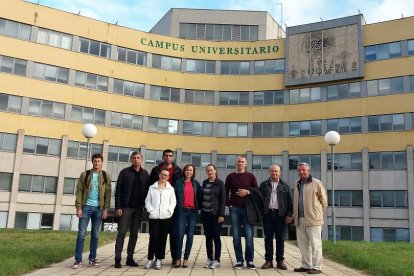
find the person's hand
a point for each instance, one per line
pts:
(242, 192)
(79, 213)
(104, 214)
(288, 220)
(220, 219)
(118, 212)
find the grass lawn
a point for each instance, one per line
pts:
(376, 258)
(22, 251)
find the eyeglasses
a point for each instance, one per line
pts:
(164, 175)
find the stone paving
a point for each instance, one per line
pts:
(197, 260)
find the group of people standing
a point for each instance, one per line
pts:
(172, 200)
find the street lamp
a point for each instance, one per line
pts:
(89, 131)
(332, 138)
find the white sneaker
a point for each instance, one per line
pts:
(215, 264)
(157, 264)
(77, 265)
(149, 264)
(208, 263)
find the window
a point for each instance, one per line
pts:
(410, 47)
(128, 121)
(233, 98)
(389, 122)
(50, 73)
(129, 88)
(91, 81)
(344, 91)
(78, 149)
(379, 234)
(199, 97)
(267, 129)
(226, 161)
(268, 97)
(218, 31)
(165, 93)
(346, 161)
(95, 48)
(10, 103)
(47, 109)
(345, 125)
(305, 128)
(153, 157)
(235, 68)
(40, 145)
(313, 160)
(389, 199)
(198, 128)
(8, 142)
(88, 115)
(15, 29)
(199, 160)
(350, 233)
(5, 181)
(162, 125)
(383, 51)
(33, 221)
(346, 198)
(232, 129)
(167, 63)
(3, 219)
(388, 160)
(263, 162)
(68, 222)
(201, 66)
(54, 38)
(69, 186)
(269, 66)
(120, 154)
(305, 95)
(13, 65)
(132, 56)
(37, 184)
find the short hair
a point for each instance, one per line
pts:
(165, 169)
(241, 156)
(167, 151)
(97, 155)
(274, 165)
(135, 153)
(186, 167)
(303, 164)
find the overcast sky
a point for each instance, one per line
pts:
(144, 14)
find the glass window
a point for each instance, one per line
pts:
(382, 51)
(372, 88)
(395, 49)
(5, 181)
(9, 142)
(370, 53)
(69, 185)
(50, 184)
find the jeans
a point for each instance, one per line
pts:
(130, 217)
(158, 232)
(238, 217)
(186, 218)
(212, 229)
(94, 214)
(274, 227)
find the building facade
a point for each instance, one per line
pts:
(209, 99)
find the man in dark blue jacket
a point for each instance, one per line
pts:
(131, 191)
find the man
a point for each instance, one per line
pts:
(131, 191)
(237, 186)
(175, 173)
(309, 202)
(93, 195)
(278, 208)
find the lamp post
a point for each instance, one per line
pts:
(332, 138)
(89, 131)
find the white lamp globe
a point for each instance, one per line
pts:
(89, 130)
(332, 138)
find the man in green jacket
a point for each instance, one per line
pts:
(93, 196)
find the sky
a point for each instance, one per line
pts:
(144, 14)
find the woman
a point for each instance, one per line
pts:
(160, 204)
(187, 192)
(213, 203)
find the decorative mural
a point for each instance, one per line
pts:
(323, 53)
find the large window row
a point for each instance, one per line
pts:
(8, 142)
(232, 129)
(379, 234)
(33, 221)
(263, 162)
(55, 39)
(163, 93)
(129, 88)
(199, 97)
(198, 128)
(344, 198)
(162, 125)
(120, 154)
(235, 67)
(14, 29)
(6, 181)
(13, 65)
(50, 73)
(388, 160)
(383, 51)
(388, 199)
(385, 86)
(166, 62)
(199, 160)
(346, 161)
(218, 31)
(78, 149)
(88, 115)
(47, 109)
(268, 97)
(95, 48)
(91, 81)
(10, 103)
(313, 160)
(345, 125)
(124, 120)
(233, 98)
(271, 66)
(201, 66)
(153, 157)
(132, 56)
(40, 145)
(305, 128)
(38, 184)
(267, 129)
(349, 233)
(389, 122)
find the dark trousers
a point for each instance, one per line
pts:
(274, 227)
(158, 231)
(212, 229)
(173, 235)
(130, 217)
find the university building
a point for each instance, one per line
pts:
(210, 85)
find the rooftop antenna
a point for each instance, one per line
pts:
(116, 23)
(359, 11)
(402, 15)
(281, 12)
(79, 12)
(321, 19)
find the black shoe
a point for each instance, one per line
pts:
(131, 262)
(118, 263)
(300, 269)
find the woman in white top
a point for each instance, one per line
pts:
(160, 204)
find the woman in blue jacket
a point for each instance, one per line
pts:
(187, 192)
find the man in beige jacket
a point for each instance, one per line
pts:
(309, 202)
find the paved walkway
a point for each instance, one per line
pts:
(197, 260)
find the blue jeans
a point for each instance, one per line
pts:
(238, 217)
(186, 218)
(94, 214)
